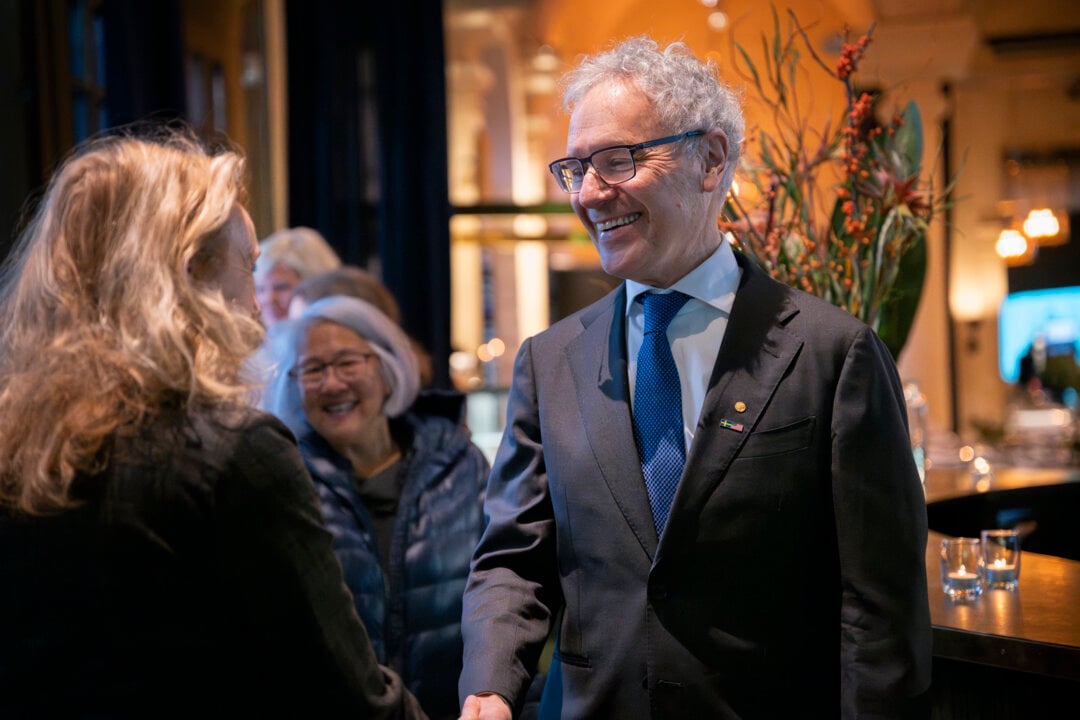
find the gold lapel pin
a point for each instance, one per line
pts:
(740, 406)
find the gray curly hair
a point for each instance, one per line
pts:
(686, 92)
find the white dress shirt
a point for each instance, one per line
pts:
(696, 331)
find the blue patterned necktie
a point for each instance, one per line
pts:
(658, 420)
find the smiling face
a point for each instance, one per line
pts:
(275, 289)
(345, 413)
(660, 224)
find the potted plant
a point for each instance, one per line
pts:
(841, 212)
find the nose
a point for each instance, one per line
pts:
(330, 379)
(280, 300)
(593, 188)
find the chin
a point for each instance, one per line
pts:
(620, 267)
(335, 436)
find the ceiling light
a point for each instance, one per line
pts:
(1013, 247)
(1040, 225)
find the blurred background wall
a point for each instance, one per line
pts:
(415, 135)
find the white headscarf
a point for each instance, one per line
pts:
(399, 366)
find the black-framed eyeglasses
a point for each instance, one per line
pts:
(613, 164)
(346, 368)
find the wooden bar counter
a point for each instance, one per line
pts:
(1008, 654)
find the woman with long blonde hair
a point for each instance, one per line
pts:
(161, 548)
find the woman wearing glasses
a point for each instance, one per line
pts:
(400, 482)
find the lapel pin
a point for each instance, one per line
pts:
(725, 423)
(740, 406)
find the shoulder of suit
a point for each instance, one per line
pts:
(574, 322)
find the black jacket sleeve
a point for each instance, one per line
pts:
(285, 586)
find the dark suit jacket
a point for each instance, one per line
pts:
(790, 580)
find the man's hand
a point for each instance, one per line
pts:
(485, 706)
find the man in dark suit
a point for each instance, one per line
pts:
(724, 517)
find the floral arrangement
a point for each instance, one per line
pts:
(839, 212)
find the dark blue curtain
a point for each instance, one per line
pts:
(367, 148)
(144, 60)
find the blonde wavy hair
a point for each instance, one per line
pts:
(105, 316)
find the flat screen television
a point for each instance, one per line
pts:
(1050, 316)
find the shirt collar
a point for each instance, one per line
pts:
(713, 282)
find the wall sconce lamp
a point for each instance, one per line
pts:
(1041, 228)
(1047, 228)
(1041, 223)
(970, 303)
(971, 342)
(1013, 247)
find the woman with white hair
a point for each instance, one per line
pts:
(400, 483)
(286, 258)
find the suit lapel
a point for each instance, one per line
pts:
(755, 354)
(597, 359)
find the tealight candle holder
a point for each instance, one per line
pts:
(1001, 558)
(962, 568)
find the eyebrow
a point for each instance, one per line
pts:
(335, 356)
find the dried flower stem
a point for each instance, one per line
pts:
(880, 213)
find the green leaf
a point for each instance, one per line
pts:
(792, 245)
(902, 301)
(836, 222)
(792, 66)
(766, 156)
(909, 139)
(776, 34)
(750, 64)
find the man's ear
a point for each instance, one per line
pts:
(716, 154)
